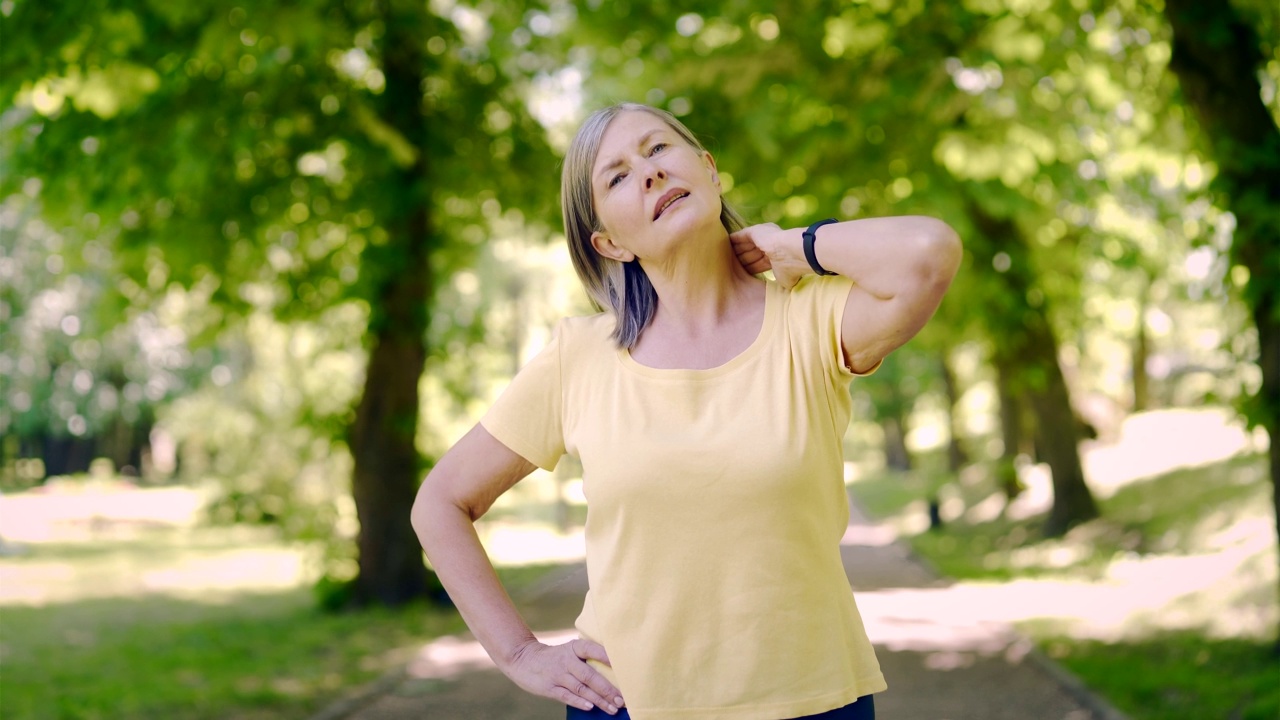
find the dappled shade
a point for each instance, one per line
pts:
(262, 263)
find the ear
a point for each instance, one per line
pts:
(710, 162)
(608, 248)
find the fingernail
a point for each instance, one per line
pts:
(611, 709)
(619, 701)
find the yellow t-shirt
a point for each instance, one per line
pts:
(715, 508)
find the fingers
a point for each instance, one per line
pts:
(568, 698)
(760, 228)
(587, 650)
(749, 253)
(560, 672)
(753, 259)
(590, 686)
(602, 692)
(741, 242)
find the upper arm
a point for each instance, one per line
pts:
(473, 473)
(872, 326)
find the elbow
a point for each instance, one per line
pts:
(434, 503)
(427, 507)
(421, 510)
(940, 254)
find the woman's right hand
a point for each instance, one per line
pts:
(560, 672)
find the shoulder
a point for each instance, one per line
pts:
(585, 334)
(815, 291)
(587, 328)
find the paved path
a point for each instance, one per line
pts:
(939, 664)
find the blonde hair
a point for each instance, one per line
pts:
(621, 288)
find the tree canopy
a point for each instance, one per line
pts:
(357, 173)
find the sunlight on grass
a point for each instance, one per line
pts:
(118, 603)
(202, 565)
(175, 658)
(1159, 442)
(1201, 538)
(233, 653)
(1167, 603)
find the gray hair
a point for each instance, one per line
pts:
(621, 288)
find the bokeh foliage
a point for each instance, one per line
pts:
(248, 193)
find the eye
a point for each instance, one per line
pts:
(657, 148)
(616, 179)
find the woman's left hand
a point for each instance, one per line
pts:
(768, 247)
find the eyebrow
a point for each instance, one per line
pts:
(618, 161)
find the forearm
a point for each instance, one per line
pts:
(884, 256)
(449, 538)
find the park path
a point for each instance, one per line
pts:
(942, 661)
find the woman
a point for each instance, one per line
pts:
(707, 405)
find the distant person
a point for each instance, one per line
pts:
(707, 405)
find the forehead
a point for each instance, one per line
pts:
(625, 132)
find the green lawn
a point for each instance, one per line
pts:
(1170, 513)
(1180, 676)
(228, 655)
(1165, 675)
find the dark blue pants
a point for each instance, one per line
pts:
(863, 709)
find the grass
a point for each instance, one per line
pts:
(1169, 513)
(1156, 675)
(263, 655)
(241, 655)
(1181, 676)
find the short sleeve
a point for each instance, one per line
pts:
(528, 415)
(817, 305)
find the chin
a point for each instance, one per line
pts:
(692, 221)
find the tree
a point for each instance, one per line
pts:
(1027, 333)
(893, 391)
(1217, 56)
(295, 156)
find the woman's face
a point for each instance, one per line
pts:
(651, 188)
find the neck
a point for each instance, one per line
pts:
(701, 285)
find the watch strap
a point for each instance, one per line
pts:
(809, 235)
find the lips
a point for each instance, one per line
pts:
(667, 199)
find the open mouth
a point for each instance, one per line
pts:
(668, 200)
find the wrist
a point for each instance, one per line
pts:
(788, 250)
(810, 236)
(512, 653)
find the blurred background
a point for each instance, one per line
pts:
(260, 263)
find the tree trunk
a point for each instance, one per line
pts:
(1217, 57)
(1011, 430)
(896, 455)
(1026, 344)
(1057, 432)
(956, 456)
(516, 286)
(387, 463)
(67, 455)
(1141, 381)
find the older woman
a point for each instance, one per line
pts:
(707, 405)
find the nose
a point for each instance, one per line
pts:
(652, 174)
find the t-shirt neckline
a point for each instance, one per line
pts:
(766, 331)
